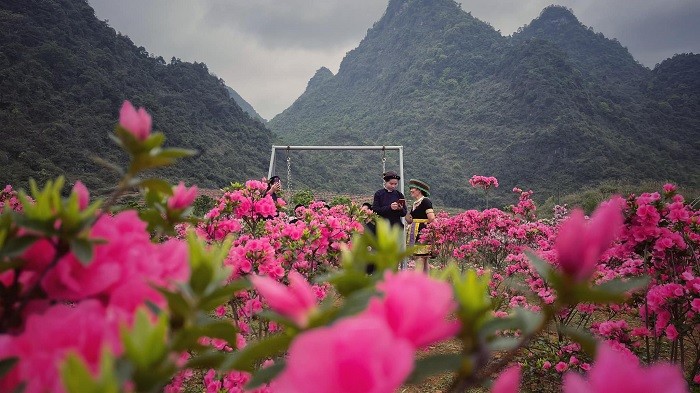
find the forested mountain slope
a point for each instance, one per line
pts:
(63, 77)
(556, 107)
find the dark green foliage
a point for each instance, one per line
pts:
(202, 204)
(303, 197)
(341, 200)
(554, 108)
(63, 77)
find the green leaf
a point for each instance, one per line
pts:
(106, 164)
(15, 246)
(177, 304)
(504, 343)
(530, 321)
(153, 141)
(494, 325)
(265, 375)
(77, 378)
(249, 357)
(157, 184)
(82, 249)
(587, 341)
(177, 153)
(7, 364)
(206, 360)
(355, 303)
(435, 364)
(543, 268)
(223, 329)
(145, 343)
(222, 294)
(614, 291)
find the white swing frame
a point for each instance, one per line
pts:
(275, 148)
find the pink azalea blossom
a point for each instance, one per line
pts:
(137, 122)
(46, 340)
(83, 194)
(616, 372)
(671, 332)
(182, 196)
(358, 354)
(508, 381)
(126, 258)
(580, 244)
(669, 188)
(416, 307)
(695, 304)
(295, 301)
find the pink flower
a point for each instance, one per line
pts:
(547, 365)
(358, 354)
(182, 196)
(508, 381)
(138, 123)
(671, 332)
(669, 188)
(126, 258)
(695, 305)
(295, 302)
(46, 340)
(616, 372)
(416, 307)
(83, 194)
(561, 367)
(581, 244)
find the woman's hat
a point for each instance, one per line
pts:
(388, 175)
(421, 185)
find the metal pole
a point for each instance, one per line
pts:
(404, 262)
(271, 171)
(401, 167)
(397, 148)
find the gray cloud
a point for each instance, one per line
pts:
(267, 50)
(310, 24)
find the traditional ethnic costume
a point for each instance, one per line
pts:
(383, 200)
(419, 213)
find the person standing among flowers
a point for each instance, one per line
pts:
(274, 185)
(421, 215)
(389, 203)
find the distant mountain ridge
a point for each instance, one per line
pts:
(555, 107)
(63, 77)
(244, 105)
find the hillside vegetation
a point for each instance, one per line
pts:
(63, 77)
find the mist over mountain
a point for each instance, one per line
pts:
(63, 77)
(556, 107)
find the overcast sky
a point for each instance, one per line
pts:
(267, 50)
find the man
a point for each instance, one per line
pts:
(389, 203)
(370, 225)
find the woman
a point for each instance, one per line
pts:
(389, 203)
(421, 215)
(274, 185)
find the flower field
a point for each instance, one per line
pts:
(255, 296)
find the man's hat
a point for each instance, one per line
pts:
(421, 185)
(388, 175)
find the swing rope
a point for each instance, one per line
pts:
(289, 173)
(383, 163)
